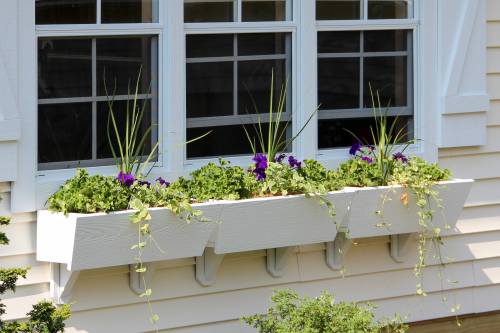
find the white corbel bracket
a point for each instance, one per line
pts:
(336, 250)
(62, 282)
(140, 282)
(277, 260)
(207, 267)
(399, 246)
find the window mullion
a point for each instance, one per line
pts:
(94, 103)
(98, 12)
(361, 70)
(364, 10)
(306, 79)
(235, 74)
(238, 8)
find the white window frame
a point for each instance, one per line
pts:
(238, 27)
(172, 30)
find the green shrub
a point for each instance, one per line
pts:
(292, 314)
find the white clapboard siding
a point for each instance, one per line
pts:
(462, 40)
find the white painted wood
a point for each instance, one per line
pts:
(336, 251)
(380, 211)
(137, 279)
(62, 282)
(207, 267)
(278, 222)
(399, 246)
(277, 259)
(462, 51)
(101, 240)
(23, 189)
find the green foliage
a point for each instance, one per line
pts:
(131, 144)
(90, 194)
(420, 177)
(357, 173)
(3, 238)
(292, 314)
(218, 182)
(276, 140)
(386, 138)
(44, 317)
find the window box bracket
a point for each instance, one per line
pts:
(140, 282)
(207, 267)
(336, 251)
(399, 245)
(62, 282)
(277, 259)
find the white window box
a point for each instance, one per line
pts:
(88, 241)
(395, 218)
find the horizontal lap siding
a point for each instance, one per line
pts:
(104, 303)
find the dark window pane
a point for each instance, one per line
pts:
(120, 60)
(338, 9)
(209, 89)
(254, 86)
(254, 11)
(338, 41)
(334, 133)
(64, 68)
(64, 132)
(65, 12)
(120, 113)
(384, 9)
(201, 46)
(260, 44)
(217, 143)
(388, 77)
(128, 11)
(338, 83)
(386, 40)
(209, 11)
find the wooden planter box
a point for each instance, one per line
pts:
(86, 241)
(276, 222)
(395, 217)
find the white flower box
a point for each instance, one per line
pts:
(275, 222)
(395, 217)
(87, 241)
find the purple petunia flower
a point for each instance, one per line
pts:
(163, 182)
(400, 157)
(294, 163)
(355, 148)
(367, 159)
(144, 183)
(260, 166)
(126, 179)
(279, 158)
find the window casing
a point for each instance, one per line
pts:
(303, 28)
(228, 73)
(365, 48)
(74, 62)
